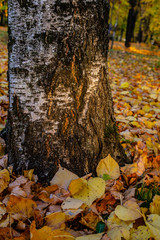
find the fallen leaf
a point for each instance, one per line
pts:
(41, 234)
(93, 190)
(18, 182)
(91, 237)
(49, 198)
(56, 220)
(5, 222)
(124, 85)
(103, 204)
(17, 191)
(146, 108)
(21, 208)
(4, 161)
(77, 185)
(46, 233)
(113, 221)
(63, 178)
(155, 205)
(118, 232)
(108, 166)
(90, 220)
(28, 174)
(141, 233)
(73, 213)
(71, 203)
(2, 146)
(3, 210)
(128, 212)
(153, 225)
(4, 179)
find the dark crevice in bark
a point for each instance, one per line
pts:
(25, 3)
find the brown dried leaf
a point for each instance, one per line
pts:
(21, 208)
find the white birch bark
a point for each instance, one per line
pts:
(60, 99)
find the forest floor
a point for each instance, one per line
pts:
(120, 202)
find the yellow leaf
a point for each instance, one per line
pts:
(113, 221)
(28, 174)
(153, 225)
(56, 220)
(5, 222)
(141, 112)
(149, 124)
(77, 185)
(60, 235)
(145, 88)
(124, 85)
(91, 237)
(155, 205)
(153, 96)
(141, 233)
(21, 208)
(46, 233)
(118, 232)
(136, 124)
(146, 108)
(4, 179)
(108, 166)
(128, 212)
(94, 189)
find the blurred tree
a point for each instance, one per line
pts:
(118, 18)
(3, 11)
(151, 20)
(140, 24)
(132, 17)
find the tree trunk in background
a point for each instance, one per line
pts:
(140, 33)
(1, 21)
(146, 31)
(132, 16)
(60, 98)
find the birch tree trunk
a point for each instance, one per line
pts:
(60, 98)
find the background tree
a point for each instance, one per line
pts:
(118, 17)
(60, 99)
(135, 21)
(3, 12)
(132, 17)
(150, 20)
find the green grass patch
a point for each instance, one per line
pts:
(146, 194)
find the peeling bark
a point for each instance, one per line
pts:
(60, 98)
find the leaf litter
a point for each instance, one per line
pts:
(121, 202)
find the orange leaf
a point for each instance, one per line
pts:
(4, 179)
(46, 233)
(21, 208)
